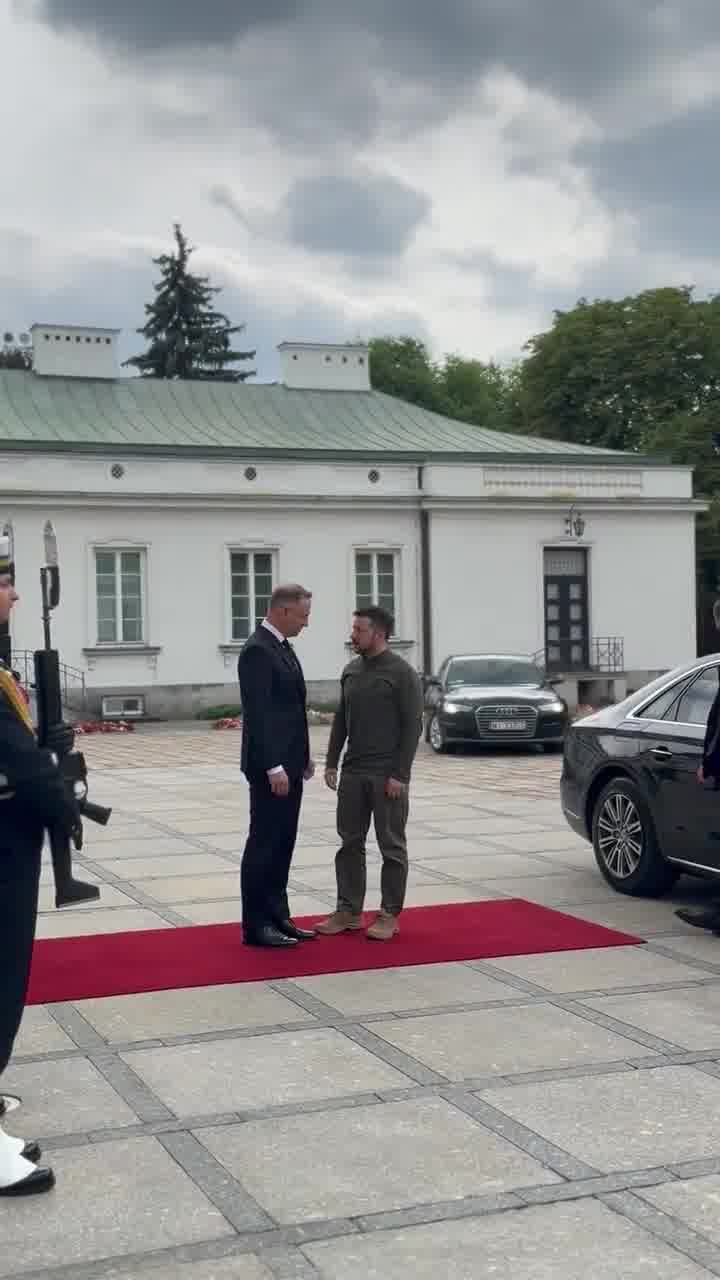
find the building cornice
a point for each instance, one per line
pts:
(346, 502)
(377, 456)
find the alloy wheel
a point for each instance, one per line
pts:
(620, 835)
(437, 741)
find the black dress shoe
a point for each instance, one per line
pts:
(701, 917)
(35, 1183)
(268, 936)
(291, 931)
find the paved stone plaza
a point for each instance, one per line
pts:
(537, 1118)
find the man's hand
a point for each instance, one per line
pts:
(309, 770)
(701, 775)
(394, 789)
(279, 783)
(331, 779)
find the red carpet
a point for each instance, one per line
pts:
(114, 964)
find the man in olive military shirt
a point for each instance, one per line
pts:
(379, 717)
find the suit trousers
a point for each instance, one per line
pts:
(362, 798)
(268, 853)
(19, 887)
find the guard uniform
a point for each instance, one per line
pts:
(32, 796)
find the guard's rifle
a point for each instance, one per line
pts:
(48, 690)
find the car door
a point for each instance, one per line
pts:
(687, 814)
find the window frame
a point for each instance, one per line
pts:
(118, 549)
(681, 685)
(251, 550)
(700, 675)
(374, 551)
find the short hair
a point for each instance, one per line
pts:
(290, 593)
(379, 618)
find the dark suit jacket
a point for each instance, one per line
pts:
(274, 708)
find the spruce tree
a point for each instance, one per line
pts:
(187, 337)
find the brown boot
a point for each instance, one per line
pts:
(383, 928)
(339, 922)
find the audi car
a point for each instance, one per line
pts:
(493, 700)
(630, 783)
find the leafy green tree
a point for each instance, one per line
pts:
(464, 389)
(610, 373)
(402, 367)
(187, 336)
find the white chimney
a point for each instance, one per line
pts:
(324, 366)
(74, 351)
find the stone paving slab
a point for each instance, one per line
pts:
(634, 1120)
(110, 1199)
(369, 1159)
(534, 1116)
(581, 1241)
(595, 969)
(504, 1041)
(193, 1011)
(232, 1075)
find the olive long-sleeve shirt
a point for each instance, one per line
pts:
(379, 716)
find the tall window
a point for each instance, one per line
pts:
(251, 585)
(119, 595)
(375, 579)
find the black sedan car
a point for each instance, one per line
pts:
(630, 783)
(494, 700)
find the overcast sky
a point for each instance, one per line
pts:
(453, 170)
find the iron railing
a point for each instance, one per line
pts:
(606, 657)
(72, 681)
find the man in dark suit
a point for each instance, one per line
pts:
(276, 761)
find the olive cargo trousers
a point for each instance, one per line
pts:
(361, 798)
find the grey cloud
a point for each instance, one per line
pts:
(153, 25)
(573, 47)
(667, 177)
(374, 216)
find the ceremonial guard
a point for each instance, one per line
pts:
(32, 798)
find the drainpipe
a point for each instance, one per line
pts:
(425, 580)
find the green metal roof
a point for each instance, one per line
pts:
(132, 415)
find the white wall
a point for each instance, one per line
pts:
(72, 351)
(487, 561)
(188, 607)
(488, 591)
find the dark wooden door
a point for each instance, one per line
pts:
(567, 638)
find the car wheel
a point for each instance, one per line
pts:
(625, 843)
(436, 737)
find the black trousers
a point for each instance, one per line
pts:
(19, 887)
(268, 853)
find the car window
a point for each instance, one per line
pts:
(493, 671)
(694, 706)
(663, 707)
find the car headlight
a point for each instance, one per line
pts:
(452, 708)
(553, 708)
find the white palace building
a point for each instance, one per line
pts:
(177, 506)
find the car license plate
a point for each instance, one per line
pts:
(508, 726)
